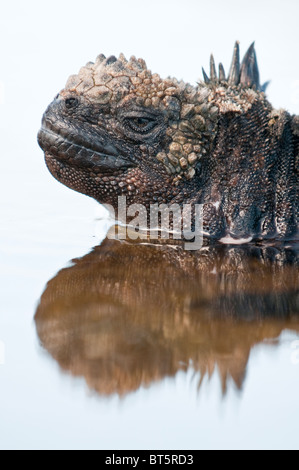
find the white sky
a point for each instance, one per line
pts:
(44, 42)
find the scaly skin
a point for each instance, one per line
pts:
(119, 130)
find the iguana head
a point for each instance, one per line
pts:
(116, 129)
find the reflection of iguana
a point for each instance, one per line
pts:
(110, 318)
(117, 129)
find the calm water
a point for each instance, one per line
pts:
(107, 345)
(127, 316)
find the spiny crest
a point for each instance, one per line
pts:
(120, 64)
(295, 125)
(245, 74)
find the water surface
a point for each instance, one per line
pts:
(118, 345)
(128, 315)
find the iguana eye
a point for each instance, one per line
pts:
(71, 102)
(141, 124)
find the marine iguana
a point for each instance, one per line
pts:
(116, 129)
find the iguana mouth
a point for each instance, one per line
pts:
(75, 150)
